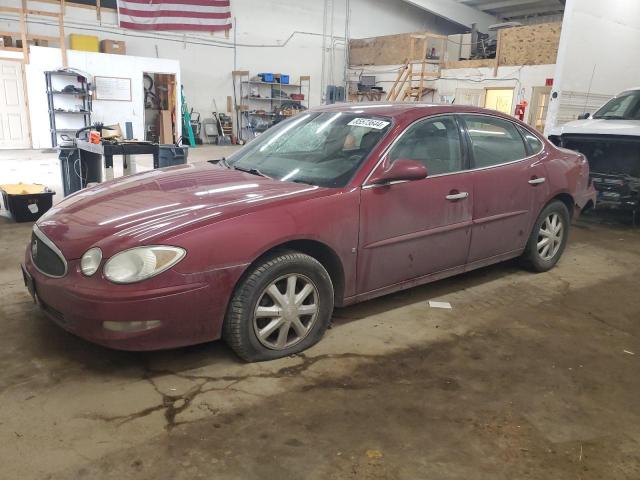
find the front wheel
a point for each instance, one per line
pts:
(548, 238)
(283, 306)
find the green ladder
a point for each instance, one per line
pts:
(186, 119)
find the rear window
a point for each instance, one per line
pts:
(535, 144)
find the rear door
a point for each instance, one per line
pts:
(416, 228)
(509, 185)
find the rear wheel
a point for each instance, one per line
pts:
(548, 238)
(282, 306)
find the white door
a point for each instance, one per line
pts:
(14, 127)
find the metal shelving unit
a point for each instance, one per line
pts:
(272, 104)
(81, 91)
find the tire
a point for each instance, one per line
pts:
(537, 258)
(262, 307)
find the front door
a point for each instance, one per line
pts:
(14, 125)
(539, 106)
(508, 183)
(416, 228)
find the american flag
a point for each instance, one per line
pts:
(200, 15)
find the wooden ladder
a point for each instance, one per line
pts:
(410, 83)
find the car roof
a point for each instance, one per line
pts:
(399, 110)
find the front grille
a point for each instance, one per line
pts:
(45, 255)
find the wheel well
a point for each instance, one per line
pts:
(323, 254)
(567, 200)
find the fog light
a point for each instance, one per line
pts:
(138, 326)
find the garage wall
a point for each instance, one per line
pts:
(107, 112)
(282, 36)
(597, 56)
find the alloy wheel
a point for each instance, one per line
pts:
(550, 237)
(286, 312)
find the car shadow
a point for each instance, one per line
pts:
(58, 346)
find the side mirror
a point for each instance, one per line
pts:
(400, 169)
(584, 116)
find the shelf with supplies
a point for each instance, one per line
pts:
(64, 88)
(259, 104)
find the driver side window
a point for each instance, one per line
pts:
(433, 142)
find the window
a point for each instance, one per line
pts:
(625, 106)
(535, 145)
(500, 99)
(434, 142)
(494, 140)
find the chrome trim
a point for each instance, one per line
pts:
(365, 186)
(43, 238)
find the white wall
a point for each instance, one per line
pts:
(107, 112)
(521, 78)
(280, 36)
(598, 53)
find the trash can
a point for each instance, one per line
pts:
(170, 155)
(26, 202)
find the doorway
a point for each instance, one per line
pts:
(539, 105)
(500, 99)
(14, 116)
(159, 107)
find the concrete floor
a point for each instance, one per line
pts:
(528, 376)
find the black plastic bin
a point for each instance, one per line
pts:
(170, 155)
(27, 207)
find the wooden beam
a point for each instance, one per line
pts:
(98, 11)
(63, 45)
(11, 49)
(42, 13)
(23, 32)
(498, 52)
(11, 10)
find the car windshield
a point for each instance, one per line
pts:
(318, 148)
(624, 107)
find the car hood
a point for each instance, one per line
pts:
(599, 127)
(150, 207)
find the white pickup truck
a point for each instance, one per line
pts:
(610, 139)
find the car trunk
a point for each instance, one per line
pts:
(614, 162)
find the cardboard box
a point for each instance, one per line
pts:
(113, 46)
(85, 43)
(6, 41)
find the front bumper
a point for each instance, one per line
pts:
(189, 308)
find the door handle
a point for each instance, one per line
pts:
(457, 196)
(537, 181)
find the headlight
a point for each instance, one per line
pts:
(141, 263)
(90, 261)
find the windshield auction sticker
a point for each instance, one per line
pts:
(369, 123)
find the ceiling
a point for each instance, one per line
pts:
(517, 9)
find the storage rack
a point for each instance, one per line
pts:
(267, 105)
(82, 92)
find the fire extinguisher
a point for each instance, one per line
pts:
(520, 109)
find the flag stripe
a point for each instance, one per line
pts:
(204, 3)
(167, 6)
(174, 26)
(172, 14)
(183, 20)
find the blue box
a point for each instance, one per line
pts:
(266, 77)
(284, 79)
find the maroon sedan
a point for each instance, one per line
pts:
(337, 205)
